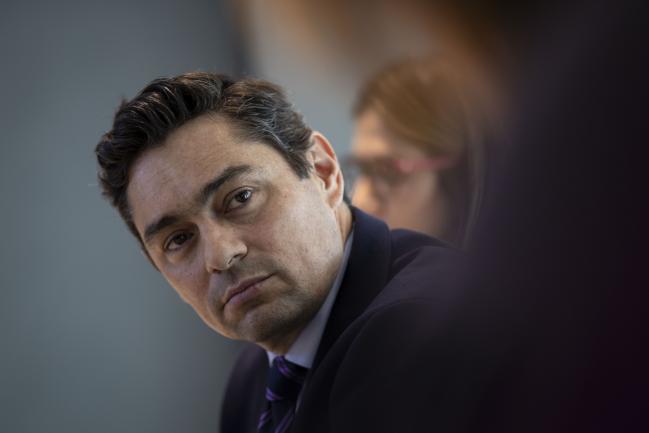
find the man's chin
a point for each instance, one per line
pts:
(267, 329)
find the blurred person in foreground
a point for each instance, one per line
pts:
(241, 207)
(556, 298)
(417, 149)
(555, 302)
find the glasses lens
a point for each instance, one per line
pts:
(381, 172)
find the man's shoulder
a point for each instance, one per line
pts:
(394, 270)
(421, 268)
(379, 373)
(417, 296)
(417, 293)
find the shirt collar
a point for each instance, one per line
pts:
(304, 348)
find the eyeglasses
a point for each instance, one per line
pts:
(385, 172)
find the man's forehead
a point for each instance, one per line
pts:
(207, 138)
(179, 164)
(169, 176)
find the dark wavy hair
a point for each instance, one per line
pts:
(258, 110)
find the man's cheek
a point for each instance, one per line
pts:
(189, 285)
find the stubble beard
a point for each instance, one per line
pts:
(277, 324)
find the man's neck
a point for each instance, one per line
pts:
(281, 346)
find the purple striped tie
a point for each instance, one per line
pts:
(285, 381)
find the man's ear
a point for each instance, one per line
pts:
(326, 169)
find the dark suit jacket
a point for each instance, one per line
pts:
(377, 367)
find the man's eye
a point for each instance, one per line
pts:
(176, 241)
(243, 196)
(239, 199)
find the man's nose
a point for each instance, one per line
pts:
(222, 248)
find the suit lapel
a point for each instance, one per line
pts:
(365, 276)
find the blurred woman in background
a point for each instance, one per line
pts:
(417, 149)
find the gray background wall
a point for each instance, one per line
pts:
(91, 337)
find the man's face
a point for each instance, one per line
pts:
(249, 245)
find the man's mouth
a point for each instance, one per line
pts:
(237, 291)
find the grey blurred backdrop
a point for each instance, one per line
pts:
(92, 338)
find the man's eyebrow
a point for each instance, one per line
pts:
(210, 188)
(153, 228)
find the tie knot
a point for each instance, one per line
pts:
(285, 380)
